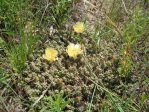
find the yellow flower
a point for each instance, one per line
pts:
(79, 27)
(73, 50)
(50, 54)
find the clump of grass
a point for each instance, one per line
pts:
(102, 31)
(2, 76)
(132, 32)
(19, 44)
(55, 103)
(115, 104)
(18, 53)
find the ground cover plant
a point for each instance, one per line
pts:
(74, 56)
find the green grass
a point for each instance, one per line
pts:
(18, 54)
(2, 76)
(57, 103)
(133, 31)
(60, 11)
(18, 43)
(54, 103)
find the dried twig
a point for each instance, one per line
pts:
(43, 93)
(114, 25)
(125, 7)
(47, 5)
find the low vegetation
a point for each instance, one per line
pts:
(74, 56)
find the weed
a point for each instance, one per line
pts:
(60, 10)
(2, 76)
(89, 107)
(19, 43)
(1, 42)
(118, 105)
(102, 31)
(55, 103)
(133, 31)
(19, 53)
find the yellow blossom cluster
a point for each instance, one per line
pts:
(73, 50)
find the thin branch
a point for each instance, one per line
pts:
(41, 96)
(114, 25)
(44, 11)
(3, 103)
(125, 7)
